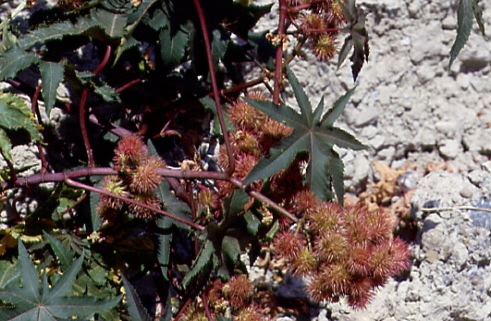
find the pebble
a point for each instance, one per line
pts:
(450, 149)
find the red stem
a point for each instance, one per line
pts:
(81, 109)
(208, 313)
(183, 310)
(128, 85)
(216, 93)
(35, 110)
(278, 71)
(128, 200)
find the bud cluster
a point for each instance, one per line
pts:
(138, 178)
(345, 252)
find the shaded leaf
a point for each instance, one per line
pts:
(5, 145)
(52, 76)
(135, 307)
(465, 15)
(112, 23)
(231, 249)
(345, 50)
(164, 238)
(9, 272)
(173, 46)
(61, 252)
(15, 60)
(338, 108)
(478, 15)
(202, 265)
(252, 223)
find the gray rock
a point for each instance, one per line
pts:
(450, 149)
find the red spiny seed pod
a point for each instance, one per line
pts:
(145, 178)
(324, 47)
(389, 258)
(336, 10)
(250, 314)
(357, 228)
(304, 201)
(332, 247)
(358, 260)
(360, 291)
(129, 152)
(143, 212)
(380, 225)
(326, 218)
(312, 23)
(245, 116)
(246, 142)
(304, 263)
(113, 185)
(239, 291)
(288, 245)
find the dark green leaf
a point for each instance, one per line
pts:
(478, 15)
(336, 111)
(29, 302)
(94, 215)
(335, 168)
(107, 93)
(9, 272)
(312, 135)
(15, 60)
(56, 31)
(252, 223)
(202, 264)
(272, 231)
(218, 47)
(464, 26)
(62, 253)
(301, 96)
(173, 46)
(164, 238)
(231, 249)
(237, 203)
(135, 307)
(112, 23)
(345, 50)
(52, 76)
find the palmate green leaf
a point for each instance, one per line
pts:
(52, 76)
(135, 307)
(465, 15)
(30, 302)
(15, 60)
(5, 145)
(311, 134)
(9, 272)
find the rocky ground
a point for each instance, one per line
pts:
(411, 111)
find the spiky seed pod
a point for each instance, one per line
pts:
(129, 152)
(288, 245)
(357, 229)
(304, 201)
(249, 314)
(312, 23)
(381, 226)
(326, 218)
(142, 212)
(358, 260)
(324, 47)
(239, 291)
(245, 116)
(194, 313)
(113, 185)
(332, 247)
(360, 292)
(389, 258)
(304, 263)
(246, 142)
(275, 129)
(336, 11)
(145, 178)
(334, 279)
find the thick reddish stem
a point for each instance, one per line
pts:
(128, 200)
(278, 71)
(216, 93)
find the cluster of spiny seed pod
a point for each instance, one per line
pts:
(342, 252)
(137, 180)
(319, 21)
